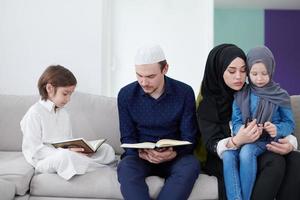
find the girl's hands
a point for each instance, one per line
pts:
(271, 129)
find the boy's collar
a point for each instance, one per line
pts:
(49, 105)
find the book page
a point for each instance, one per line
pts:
(142, 145)
(74, 143)
(96, 143)
(171, 142)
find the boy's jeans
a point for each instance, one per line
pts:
(240, 168)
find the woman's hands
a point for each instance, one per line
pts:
(282, 146)
(157, 156)
(247, 134)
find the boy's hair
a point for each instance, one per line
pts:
(57, 76)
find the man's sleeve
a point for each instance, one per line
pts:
(188, 124)
(127, 128)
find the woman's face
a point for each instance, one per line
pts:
(235, 74)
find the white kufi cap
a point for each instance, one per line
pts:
(149, 55)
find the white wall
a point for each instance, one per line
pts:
(37, 33)
(97, 40)
(184, 29)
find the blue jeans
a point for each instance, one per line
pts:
(240, 167)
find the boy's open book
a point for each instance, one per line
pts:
(88, 146)
(159, 144)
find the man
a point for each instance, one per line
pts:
(152, 108)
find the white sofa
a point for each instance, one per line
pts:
(92, 117)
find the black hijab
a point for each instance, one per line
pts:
(217, 97)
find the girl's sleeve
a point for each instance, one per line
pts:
(236, 118)
(286, 125)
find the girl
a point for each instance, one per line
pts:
(47, 121)
(225, 74)
(264, 101)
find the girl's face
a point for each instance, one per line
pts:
(61, 96)
(259, 75)
(235, 74)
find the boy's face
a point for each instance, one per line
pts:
(150, 77)
(259, 75)
(61, 96)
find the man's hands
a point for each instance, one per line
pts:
(157, 156)
(282, 147)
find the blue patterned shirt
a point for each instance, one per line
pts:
(146, 119)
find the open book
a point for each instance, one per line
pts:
(88, 146)
(159, 144)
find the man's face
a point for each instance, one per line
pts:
(150, 77)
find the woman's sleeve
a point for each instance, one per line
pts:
(213, 134)
(222, 146)
(293, 140)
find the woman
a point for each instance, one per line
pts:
(225, 73)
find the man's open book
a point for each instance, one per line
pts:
(159, 144)
(88, 146)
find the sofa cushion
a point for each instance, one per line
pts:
(24, 197)
(13, 108)
(206, 187)
(103, 183)
(7, 190)
(296, 110)
(15, 169)
(94, 117)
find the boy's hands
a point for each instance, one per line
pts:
(157, 156)
(76, 149)
(80, 150)
(271, 129)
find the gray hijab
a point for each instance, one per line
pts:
(271, 95)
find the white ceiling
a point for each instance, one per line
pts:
(258, 4)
